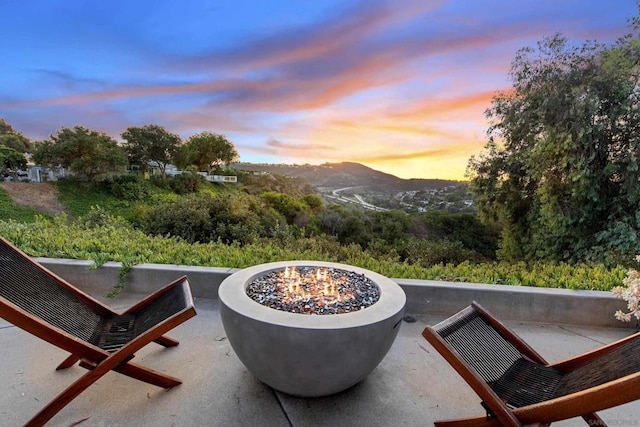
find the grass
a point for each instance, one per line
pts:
(10, 211)
(79, 198)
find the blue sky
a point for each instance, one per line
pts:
(398, 85)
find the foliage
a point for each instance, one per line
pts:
(390, 226)
(106, 238)
(79, 198)
(313, 201)
(355, 227)
(128, 187)
(630, 292)
(560, 171)
(427, 253)
(16, 141)
(10, 211)
(464, 228)
(5, 128)
(207, 151)
(91, 155)
(185, 183)
(206, 218)
(11, 159)
(11, 138)
(257, 184)
(289, 207)
(150, 144)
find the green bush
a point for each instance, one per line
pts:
(205, 218)
(185, 183)
(427, 252)
(128, 187)
(464, 228)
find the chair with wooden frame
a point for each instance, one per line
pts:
(518, 387)
(45, 305)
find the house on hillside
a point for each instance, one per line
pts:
(41, 174)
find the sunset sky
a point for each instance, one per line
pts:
(398, 85)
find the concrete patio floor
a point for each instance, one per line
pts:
(412, 386)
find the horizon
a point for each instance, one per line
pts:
(401, 90)
(301, 165)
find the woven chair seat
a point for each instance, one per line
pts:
(526, 383)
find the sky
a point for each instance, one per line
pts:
(398, 85)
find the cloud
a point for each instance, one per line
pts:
(368, 80)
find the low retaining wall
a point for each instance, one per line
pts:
(527, 304)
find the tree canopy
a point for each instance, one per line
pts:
(90, 154)
(150, 144)
(560, 170)
(11, 138)
(11, 159)
(207, 151)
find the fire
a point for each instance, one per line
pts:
(313, 290)
(320, 286)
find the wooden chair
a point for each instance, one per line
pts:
(518, 387)
(45, 305)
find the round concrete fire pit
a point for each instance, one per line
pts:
(305, 354)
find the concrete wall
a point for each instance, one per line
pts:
(594, 308)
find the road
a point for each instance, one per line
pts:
(358, 200)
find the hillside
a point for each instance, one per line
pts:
(42, 196)
(346, 174)
(352, 183)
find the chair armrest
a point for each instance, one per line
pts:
(573, 363)
(591, 400)
(172, 300)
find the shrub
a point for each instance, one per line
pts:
(128, 187)
(205, 218)
(185, 183)
(187, 217)
(427, 253)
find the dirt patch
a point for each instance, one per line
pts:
(41, 196)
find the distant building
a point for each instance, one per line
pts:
(41, 174)
(222, 178)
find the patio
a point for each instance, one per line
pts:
(413, 385)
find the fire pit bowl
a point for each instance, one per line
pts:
(309, 355)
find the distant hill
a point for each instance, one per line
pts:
(347, 174)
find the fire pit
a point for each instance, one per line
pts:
(310, 328)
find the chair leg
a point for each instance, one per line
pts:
(67, 395)
(118, 362)
(141, 373)
(72, 359)
(481, 421)
(68, 362)
(147, 375)
(166, 341)
(593, 419)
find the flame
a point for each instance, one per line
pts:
(320, 286)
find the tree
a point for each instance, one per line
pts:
(16, 141)
(207, 151)
(90, 154)
(560, 170)
(11, 160)
(150, 144)
(391, 226)
(11, 138)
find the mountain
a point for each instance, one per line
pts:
(347, 174)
